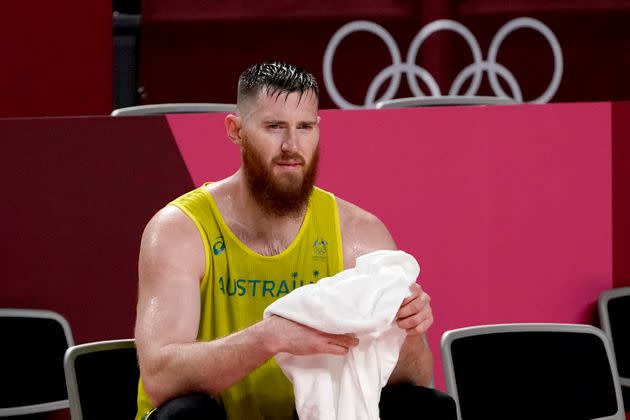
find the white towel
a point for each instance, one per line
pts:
(364, 301)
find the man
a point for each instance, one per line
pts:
(216, 257)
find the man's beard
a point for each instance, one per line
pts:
(283, 195)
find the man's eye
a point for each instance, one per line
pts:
(274, 126)
(306, 127)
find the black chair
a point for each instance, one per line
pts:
(531, 371)
(416, 402)
(102, 380)
(614, 315)
(31, 361)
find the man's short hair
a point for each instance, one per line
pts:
(276, 77)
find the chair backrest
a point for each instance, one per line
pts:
(31, 361)
(174, 108)
(531, 371)
(102, 379)
(614, 315)
(422, 101)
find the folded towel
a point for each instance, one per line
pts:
(363, 301)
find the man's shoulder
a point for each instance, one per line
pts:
(361, 232)
(183, 217)
(352, 214)
(170, 241)
(169, 220)
(194, 195)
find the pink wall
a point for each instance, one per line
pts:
(621, 198)
(508, 209)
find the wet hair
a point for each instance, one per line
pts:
(276, 78)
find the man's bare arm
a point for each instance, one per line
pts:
(415, 363)
(172, 361)
(362, 233)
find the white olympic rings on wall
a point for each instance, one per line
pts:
(414, 71)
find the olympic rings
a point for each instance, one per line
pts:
(414, 71)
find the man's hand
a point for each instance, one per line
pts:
(285, 336)
(415, 314)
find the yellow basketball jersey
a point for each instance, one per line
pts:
(239, 284)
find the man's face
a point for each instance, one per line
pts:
(280, 150)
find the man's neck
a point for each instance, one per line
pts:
(249, 221)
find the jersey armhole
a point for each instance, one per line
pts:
(206, 247)
(338, 232)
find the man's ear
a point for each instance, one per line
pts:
(233, 128)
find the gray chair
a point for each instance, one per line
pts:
(174, 108)
(102, 380)
(614, 315)
(31, 361)
(531, 371)
(423, 101)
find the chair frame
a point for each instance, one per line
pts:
(173, 108)
(72, 353)
(41, 314)
(449, 336)
(602, 306)
(447, 100)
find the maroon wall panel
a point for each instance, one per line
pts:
(201, 61)
(77, 194)
(56, 58)
(194, 50)
(593, 45)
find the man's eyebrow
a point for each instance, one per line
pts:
(272, 121)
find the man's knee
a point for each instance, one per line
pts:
(189, 407)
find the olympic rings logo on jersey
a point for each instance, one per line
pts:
(414, 71)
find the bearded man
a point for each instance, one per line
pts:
(213, 259)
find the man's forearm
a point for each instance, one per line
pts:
(415, 363)
(209, 367)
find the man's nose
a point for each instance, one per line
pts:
(290, 142)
